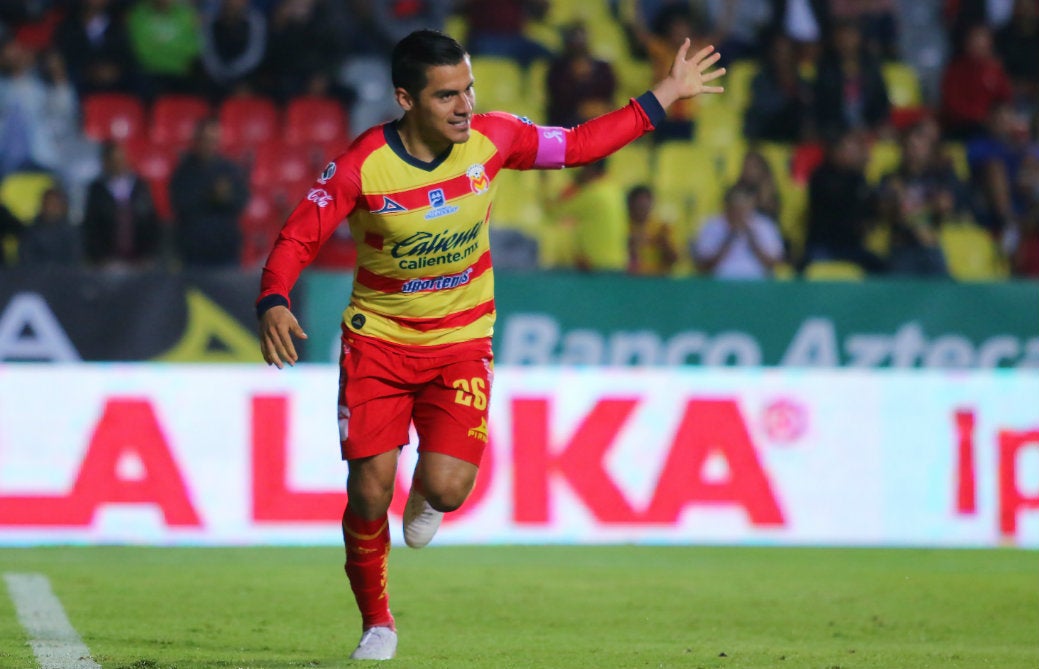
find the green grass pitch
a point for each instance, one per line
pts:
(546, 607)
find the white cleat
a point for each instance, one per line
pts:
(421, 520)
(377, 643)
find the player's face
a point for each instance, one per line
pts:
(444, 108)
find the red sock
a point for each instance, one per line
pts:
(367, 550)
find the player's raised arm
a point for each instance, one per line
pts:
(689, 77)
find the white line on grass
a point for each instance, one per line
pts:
(51, 635)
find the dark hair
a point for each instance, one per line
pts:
(419, 51)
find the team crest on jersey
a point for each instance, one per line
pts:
(438, 202)
(329, 172)
(319, 196)
(389, 207)
(478, 179)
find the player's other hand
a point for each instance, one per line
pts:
(690, 76)
(277, 328)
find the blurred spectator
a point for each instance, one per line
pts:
(672, 26)
(757, 177)
(10, 230)
(737, 27)
(915, 249)
(50, 240)
(395, 19)
(94, 43)
(234, 40)
(780, 96)
(166, 42)
(651, 248)
(849, 91)
(1017, 43)
(806, 22)
(594, 206)
(1025, 261)
(120, 226)
(924, 44)
(302, 53)
(39, 120)
(739, 243)
(973, 83)
(580, 86)
(208, 193)
(996, 159)
(922, 169)
(368, 29)
(840, 206)
(38, 102)
(496, 28)
(877, 20)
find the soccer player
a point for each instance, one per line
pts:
(416, 344)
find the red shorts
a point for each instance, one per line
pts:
(444, 390)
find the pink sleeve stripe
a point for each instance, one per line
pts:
(551, 147)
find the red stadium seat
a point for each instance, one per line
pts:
(155, 164)
(174, 118)
(113, 116)
(315, 121)
(285, 171)
(247, 121)
(259, 223)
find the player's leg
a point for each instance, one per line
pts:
(440, 484)
(374, 420)
(366, 536)
(451, 419)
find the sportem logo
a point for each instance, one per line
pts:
(437, 283)
(319, 196)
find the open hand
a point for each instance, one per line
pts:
(690, 77)
(277, 328)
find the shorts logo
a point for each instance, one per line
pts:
(478, 179)
(319, 196)
(344, 422)
(438, 202)
(389, 207)
(329, 172)
(357, 321)
(480, 431)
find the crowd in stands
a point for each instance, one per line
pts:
(855, 138)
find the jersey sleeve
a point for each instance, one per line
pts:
(329, 201)
(530, 146)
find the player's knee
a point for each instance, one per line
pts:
(447, 498)
(370, 496)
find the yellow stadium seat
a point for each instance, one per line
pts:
(21, 193)
(518, 205)
(833, 270)
(537, 90)
(686, 171)
(634, 77)
(971, 253)
(793, 215)
(500, 85)
(718, 126)
(903, 85)
(632, 165)
(884, 156)
(737, 80)
(957, 155)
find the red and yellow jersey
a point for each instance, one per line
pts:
(424, 272)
